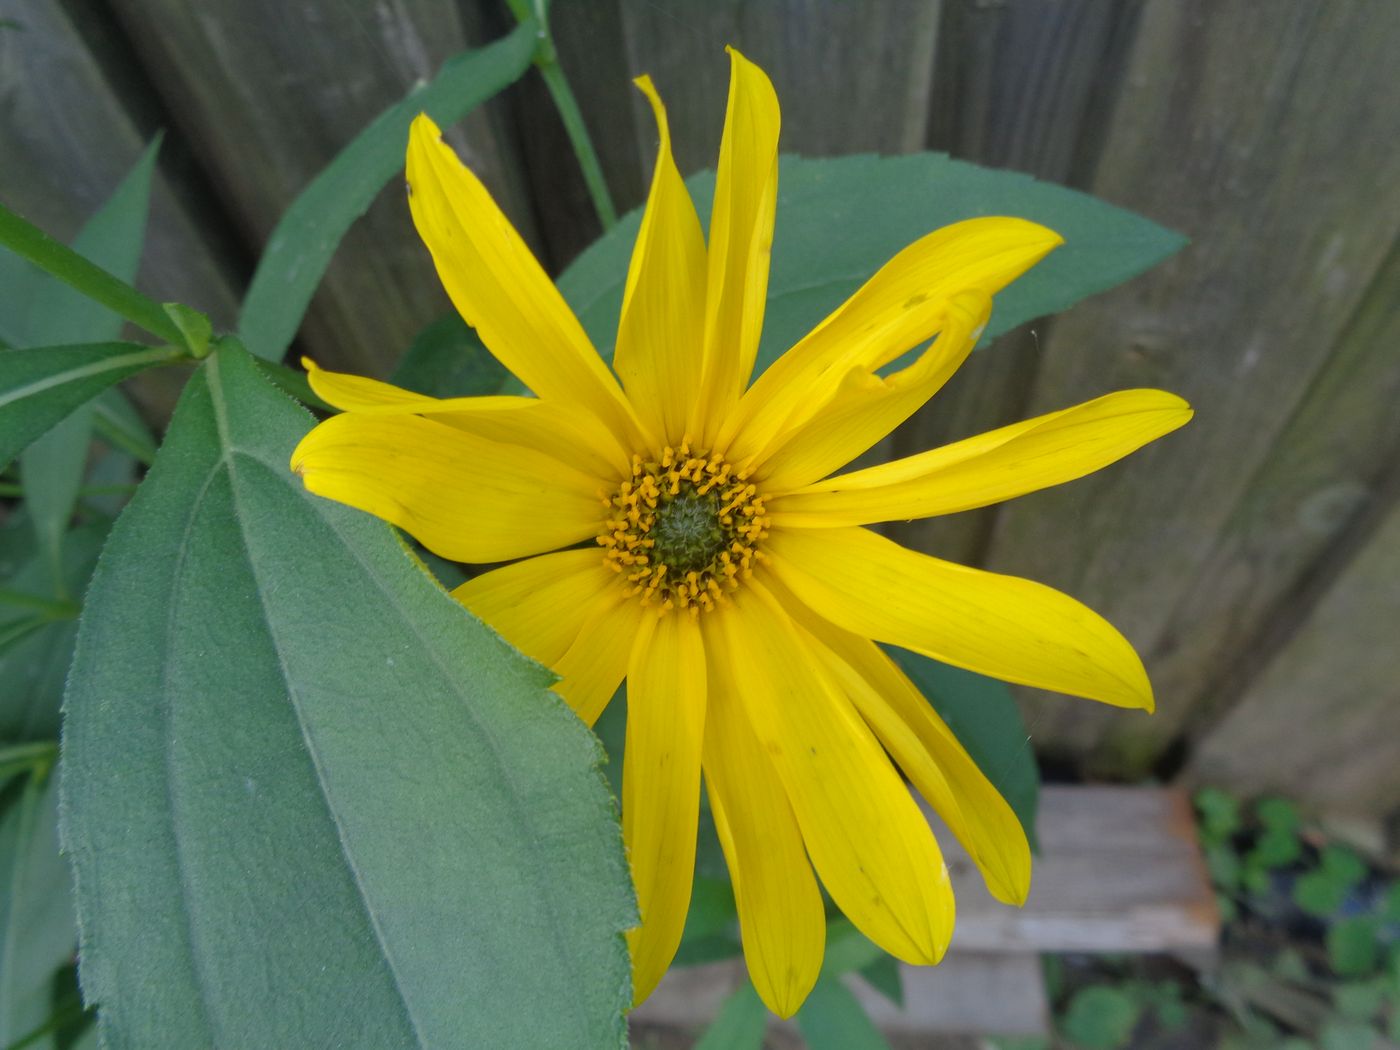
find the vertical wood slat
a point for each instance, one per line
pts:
(269, 92)
(1260, 132)
(1288, 533)
(67, 138)
(1323, 717)
(1016, 86)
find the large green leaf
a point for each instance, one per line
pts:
(348, 814)
(740, 1025)
(983, 715)
(36, 912)
(53, 465)
(840, 219)
(306, 237)
(446, 359)
(42, 386)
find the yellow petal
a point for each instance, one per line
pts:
(663, 306)
(541, 604)
(865, 834)
(1002, 626)
(1048, 450)
(596, 663)
(462, 496)
(780, 907)
(933, 759)
(896, 310)
(557, 428)
(661, 786)
(741, 241)
(867, 407)
(500, 289)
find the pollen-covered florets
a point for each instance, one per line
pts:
(685, 529)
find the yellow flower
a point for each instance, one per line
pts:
(683, 531)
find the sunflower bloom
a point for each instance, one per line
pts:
(680, 527)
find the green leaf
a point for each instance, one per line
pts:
(36, 913)
(840, 219)
(833, 1019)
(349, 814)
(1347, 1035)
(847, 949)
(1390, 903)
(1343, 865)
(1359, 1000)
(448, 360)
(308, 233)
(1319, 893)
(33, 669)
(1352, 947)
(983, 715)
(121, 426)
(884, 976)
(42, 386)
(53, 466)
(194, 326)
(1277, 813)
(1223, 863)
(740, 1024)
(1100, 1018)
(1276, 848)
(1220, 814)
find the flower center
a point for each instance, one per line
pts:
(684, 529)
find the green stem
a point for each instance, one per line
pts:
(32, 243)
(547, 61)
(38, 753)
(66, 1011)
(52, 608)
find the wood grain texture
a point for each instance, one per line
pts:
(267, 93)
(69, 135)
(1322, 717)
(1288, 535)
(1261, 132)
(1017, 86)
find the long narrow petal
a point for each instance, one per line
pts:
(659, 335)
(1012, 461)
(932, 757)
(661, 786)
(596, 663)
(780, 907)
(1002, 626)
(462, 496)
(741, 241)
(500, 289)
(557, 428)
(900, 307)
(866, 407)
(866, 836)
(541, 604)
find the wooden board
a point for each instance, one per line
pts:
(267, 93)
(1019, 86)
(1324, 715)
(1262, 132)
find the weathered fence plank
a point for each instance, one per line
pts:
(1321, 476)
(1262, 132)
(68, 136)
(1323, 716)
(268, 92)
(1015, 86)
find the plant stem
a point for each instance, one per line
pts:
(52, 608)
(547, 61)
(32, 243)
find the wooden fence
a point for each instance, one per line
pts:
(1253, 558)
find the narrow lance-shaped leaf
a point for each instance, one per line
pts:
(301, 246)
(36, 915)
(349, 815)
(840, 219)
(52, 467)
